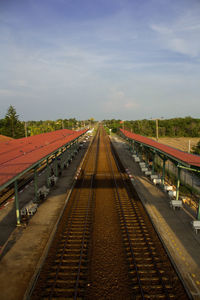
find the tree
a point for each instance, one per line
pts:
(196, 149)
(12, 126)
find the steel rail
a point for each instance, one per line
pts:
(144, 236)
(89, 200)
(73, 210)
(75, 204)
(125, 223)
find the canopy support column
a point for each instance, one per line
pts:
(163, 171)
(153, 164)
(178, 183)
(17, 204)
(56, 162)
(35, 182)
(47, 172)
(198, 211)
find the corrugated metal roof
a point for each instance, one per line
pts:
(18, 155)
(187, 158)
(4, 138)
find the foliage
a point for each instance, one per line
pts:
(196, 149)
(176, 127)
(10, 125)
(13, 127)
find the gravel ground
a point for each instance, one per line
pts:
(108, 267)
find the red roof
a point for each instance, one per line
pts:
(18, 155)
(4, 138)
(190, 159)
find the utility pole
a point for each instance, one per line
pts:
(189, 146)
(157, 130)
(25, 128)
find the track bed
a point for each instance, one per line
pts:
(105, 246)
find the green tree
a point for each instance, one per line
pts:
(12, 126)
(196, 149)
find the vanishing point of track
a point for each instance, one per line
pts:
(105, 246)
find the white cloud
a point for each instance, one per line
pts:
(118, 101)
(181, 35)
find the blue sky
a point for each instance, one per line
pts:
(105, 59)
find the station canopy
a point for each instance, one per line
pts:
(17, 156)
(184, 158)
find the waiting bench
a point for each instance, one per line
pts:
(52, 180)
(43, 192)
(176, 204)
(196, 225)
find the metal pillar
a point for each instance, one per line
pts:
(178, 183)
(133, 147)
(17, 204)
(146, 158)
(56, 162)
(163, 171)
(198, 211)
(35, 182)
(153, 164)
(47, 172)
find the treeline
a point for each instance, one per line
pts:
(177, 127)
(11, 126)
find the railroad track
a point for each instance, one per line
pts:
(151, 272)
(65, 272)
(70, 267)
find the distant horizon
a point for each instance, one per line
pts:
(128, 60)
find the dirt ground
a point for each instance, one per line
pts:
(181, 143)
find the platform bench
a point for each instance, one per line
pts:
(196, 225)
(137, 159)
(168, 187)
(176, 204)
(157, 181)
(52, 180)
(172, 194)
(142, 164)
(148, 173)
(43, 192)
(154, 176)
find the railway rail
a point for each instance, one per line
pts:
(70, 270)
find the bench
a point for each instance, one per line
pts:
(43, 192)
(154, 176)
(137, 159)
(52, 180)
(176, 204)
(196, 225)
(147, 173)
(32, 210)
(172, 194)
(157, 181)
(29, 209)
(168, 188)
(142, 164)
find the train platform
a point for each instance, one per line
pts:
(173, 226)
(23, 248)
(26, 246)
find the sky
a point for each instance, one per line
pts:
(122, 59)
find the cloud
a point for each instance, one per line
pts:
(181, 35)
(118, 101)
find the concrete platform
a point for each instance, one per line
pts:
(23, 247)
(21, 255)
(173, 226)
